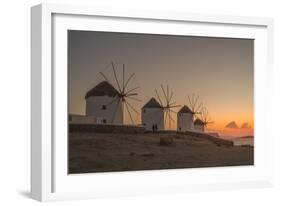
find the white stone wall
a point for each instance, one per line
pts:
(199, 128)
(81, 119)
(150, 116)
(94, 107)
(185, 122)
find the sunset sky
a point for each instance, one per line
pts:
(219, 70)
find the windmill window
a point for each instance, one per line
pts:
(104, 121)
(103, 107)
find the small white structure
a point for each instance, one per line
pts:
(152, 114)
(185, 119)
(104, 104)
(81, 119)
(199, 125)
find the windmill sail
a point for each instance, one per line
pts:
(195, 105)
(124, 93)
(167, 104)
(205, 117)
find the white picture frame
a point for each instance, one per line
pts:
(49, 178)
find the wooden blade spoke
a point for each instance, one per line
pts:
(115, 76)
(165, 119)
(158, 97)
(164, 93)
(131, 94)
(168, 97)
(170, 116)
(201, 116)
(171, 96)
(132, 107)
(114, 112)
(172, 103)
(173, 111)
(127, 82)
(123, 80)
(169, 119)
(129, 112)
(132, 90)
(103, 75)
(175, 106)
(195, 102)
(136, 99)
(199, 107)
(189, 100)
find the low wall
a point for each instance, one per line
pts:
(103, 128)
(81, 119)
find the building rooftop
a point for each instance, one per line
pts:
(102, 89)
(198, 122)
(152, 103)
(185, 109)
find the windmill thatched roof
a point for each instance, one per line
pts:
(102, 89)
(198, 122)
(152, 103)
(185, 109)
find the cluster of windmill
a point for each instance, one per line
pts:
(108, 104)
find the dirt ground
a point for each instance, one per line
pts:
(101, 152)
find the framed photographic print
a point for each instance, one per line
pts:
(137, 102)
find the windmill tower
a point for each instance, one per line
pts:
(200, 124)
(185, 119)
(187, 113)
(152, 114)
(167, 103)
(108, 103)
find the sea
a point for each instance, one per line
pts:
(238, 141)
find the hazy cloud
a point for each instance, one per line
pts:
(232, 125)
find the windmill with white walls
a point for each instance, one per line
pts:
(165, 109)
(109, 100)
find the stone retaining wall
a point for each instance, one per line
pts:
(103, 128)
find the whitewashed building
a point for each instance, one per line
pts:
(152, 114)
(185, 119)
(199, 125)
(102, 103)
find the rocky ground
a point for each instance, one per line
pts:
(104, 152)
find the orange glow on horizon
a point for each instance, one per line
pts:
(219, 70)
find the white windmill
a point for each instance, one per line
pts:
(185, 119)
(108, 103)
(168, 104)
(186, 115)
(152, 115)
(200, 124)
